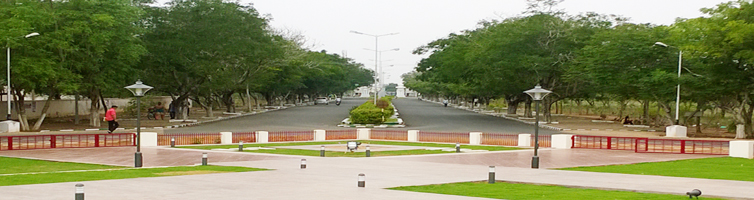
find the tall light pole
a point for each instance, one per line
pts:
(678, 88)
(138, 90)
(9, 97)
(376, 56)
(380, 76)
(537, 94)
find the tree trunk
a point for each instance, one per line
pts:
(94, 116)
(44, 113)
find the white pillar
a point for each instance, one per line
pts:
(675, 131)
(148, 139)
(226, 137)
(475, 138)
(363, 134)
(320, 135)
(10, 126)
(263, 137)
(524, 140)
(741, 149)
(562, 141)
(413, 135)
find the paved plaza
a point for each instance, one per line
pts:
(336, 178)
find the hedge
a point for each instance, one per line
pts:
(368, 113)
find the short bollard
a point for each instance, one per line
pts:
(369, 152)
(240, 145)
(79, 191)
(172, 142)
(303, 163)
(458, 148)
(492, 175)
(204, 158)
(362, 180)
(322, 151)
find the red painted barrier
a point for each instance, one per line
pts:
(290, 136)
(500, 139)
(444, 137)
(389, 135)
(346, 134)
(247, 137)
(66, 141)
(652, 145)
(188, 138)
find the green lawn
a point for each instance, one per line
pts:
(19, 171)
(20, 165)
(355, 154)
(725, 168)
(57, 177)
(516, 191)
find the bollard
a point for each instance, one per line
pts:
(458, 147)
(204, 159)
(172, 142)
(79, 191)
(240, 145)
(369, 152)
(492, 175)
(303, 163)
(362, 180)
(322, 151)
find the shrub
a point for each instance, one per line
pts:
(368, 113)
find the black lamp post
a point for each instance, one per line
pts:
(138, 90)
(537, 94)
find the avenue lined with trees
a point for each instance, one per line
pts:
(600, 58)
(213, 52)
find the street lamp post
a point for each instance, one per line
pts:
(678, 88)
(138, 90)
(376, 56)
(537, 94)
(8, 94)
(380, 76)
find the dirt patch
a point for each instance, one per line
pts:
(182, 173)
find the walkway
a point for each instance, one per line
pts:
(336, 178)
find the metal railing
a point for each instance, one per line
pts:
(66, 141)
(500, 139)
(652, 145)
(346, 134)
(245, 137)
(290, 136)
(544, 140)
(389, 135)
(188, 138)
(444, 137)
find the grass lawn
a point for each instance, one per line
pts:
(355, 154)
(725, 168)
(516, 191)
(57, 177)
(20, 165)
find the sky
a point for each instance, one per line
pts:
(327, 24)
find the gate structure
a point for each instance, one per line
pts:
(66, 141)
(652, 145)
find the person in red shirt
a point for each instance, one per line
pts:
(110, 117)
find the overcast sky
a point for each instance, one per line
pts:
(327, 23)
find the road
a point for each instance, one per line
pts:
(418, 115)
(423, 115)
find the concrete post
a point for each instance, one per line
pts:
(562, 141)
(369, 152)
(475, 138)
(262, 137)
(79, 191)
(413, 135)
(226, 138)
(240, 145)
(204, 159)
(458, 147)
(363, 134)
(320, 135)
(491, 178)
(675, 131)
(148, 139)
(172, 142)
(741, 149)
(524, 140)
(303, 163)
(362, 180)
(322, 151)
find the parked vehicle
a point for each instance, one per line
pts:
(322, 100)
